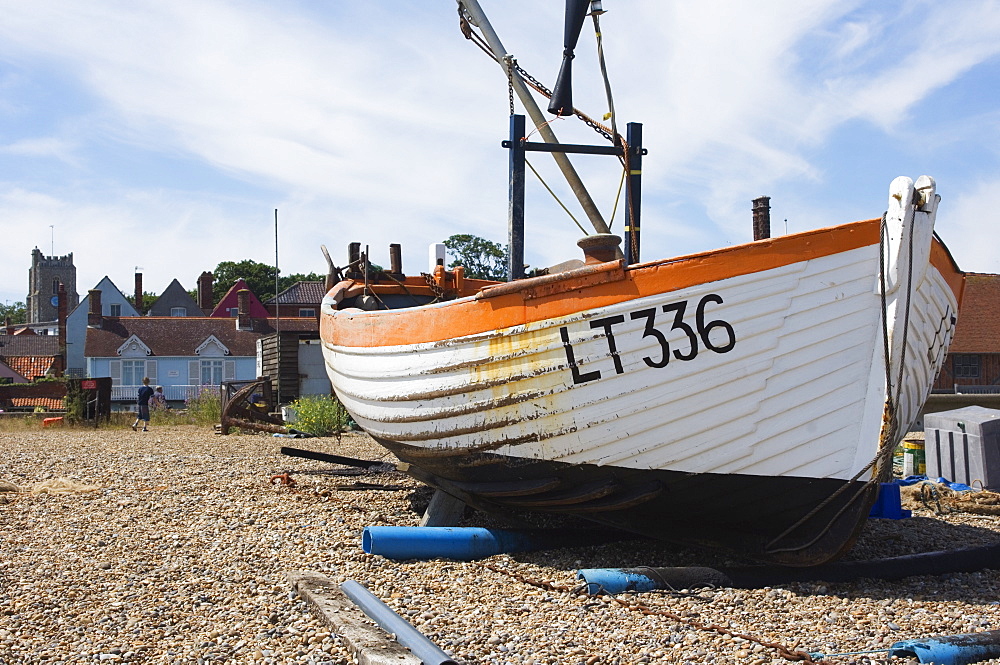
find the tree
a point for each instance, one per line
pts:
(17, 313)
(258, 276)
(481, 258)
(148, 299)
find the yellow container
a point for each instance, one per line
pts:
(914, 459)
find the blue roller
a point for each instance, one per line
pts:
(950, 649)
(469, 543)
(620, 580)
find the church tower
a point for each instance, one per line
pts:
(44, 277)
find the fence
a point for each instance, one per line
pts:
(977, 390)
(173, 393)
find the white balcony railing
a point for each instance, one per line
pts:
(173, 393)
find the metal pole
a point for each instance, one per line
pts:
(277, 324)
(572, 177)
(633, 191)
(515, 211)
(411, 638)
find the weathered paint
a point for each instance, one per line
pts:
(763, 360)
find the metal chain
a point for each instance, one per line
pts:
(512, 66)
(790, 654)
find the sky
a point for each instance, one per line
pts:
(162, 137)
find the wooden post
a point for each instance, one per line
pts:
(443, 510)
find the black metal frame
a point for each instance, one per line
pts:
(518, 146)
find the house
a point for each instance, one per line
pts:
(8, 374)
(300, 299)
(175, 301)
(973, 362)
(229, 304)
(111, 302)
(32, 356)
(183, 354)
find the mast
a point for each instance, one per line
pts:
(524, 94)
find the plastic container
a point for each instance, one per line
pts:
(914, 458)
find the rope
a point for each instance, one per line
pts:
(890, 416)
(788, 653)
(549, 189)
(618, 196)
(604, 72)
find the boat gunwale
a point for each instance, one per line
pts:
(549, 297)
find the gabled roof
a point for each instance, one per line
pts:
(300, 293)
(110, 294)
(978, 328)
(174, 295)
(231, 301)
(7, 372)
(181, 336)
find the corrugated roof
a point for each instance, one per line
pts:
(180, 336)
(300, 293)
(978, 328)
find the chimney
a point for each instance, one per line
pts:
(396, 260)
(243, 321)
(94, 314)
(762, 218)
(138, 293)
(61, 314)
(205, 300)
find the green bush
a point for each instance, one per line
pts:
(204, 406)
(319, 415)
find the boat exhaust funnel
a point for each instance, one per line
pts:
(562, 94)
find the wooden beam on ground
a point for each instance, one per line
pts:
(369, 643)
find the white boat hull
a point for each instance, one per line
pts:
(773, 375)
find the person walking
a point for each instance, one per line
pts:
(158, 401)
(142, 401)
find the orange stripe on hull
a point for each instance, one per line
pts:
(526, 301)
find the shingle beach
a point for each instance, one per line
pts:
(181, 555)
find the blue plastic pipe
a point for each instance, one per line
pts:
(469, 543)
(950, 649)
(620, 580)
(411, 638)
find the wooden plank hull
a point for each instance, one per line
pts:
(763, 376)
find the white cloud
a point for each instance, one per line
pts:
(380, 123)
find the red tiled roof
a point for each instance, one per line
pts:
(31, 367)
(8, 372)
(978, 328)
(180, 336)
(48, 403)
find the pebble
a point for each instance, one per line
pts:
(181, 557)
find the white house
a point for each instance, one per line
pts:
(182, 354)
(112, 303)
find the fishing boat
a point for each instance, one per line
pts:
(747, 399)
